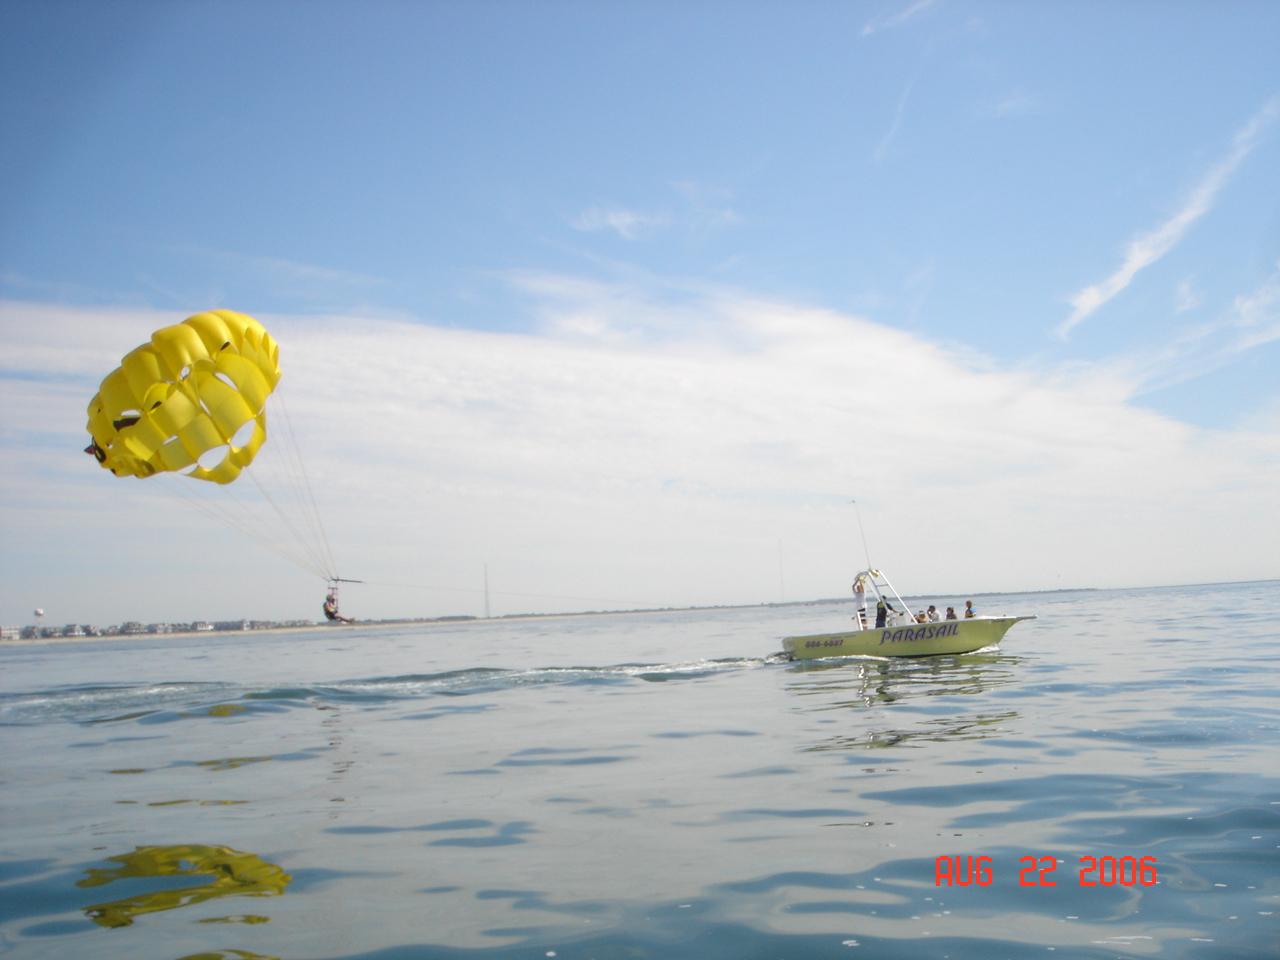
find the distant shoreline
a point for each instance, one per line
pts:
(405, 622)
(455, 621)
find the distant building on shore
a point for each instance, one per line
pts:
(135, 628)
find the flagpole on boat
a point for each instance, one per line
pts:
(875, 576)
(865, 551)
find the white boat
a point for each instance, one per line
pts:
(902, 636)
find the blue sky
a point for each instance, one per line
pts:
(1068, 208)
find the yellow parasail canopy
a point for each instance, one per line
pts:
(176, 403)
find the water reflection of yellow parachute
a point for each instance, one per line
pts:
(226, 871)
(192, 400)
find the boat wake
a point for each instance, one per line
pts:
(170, 702)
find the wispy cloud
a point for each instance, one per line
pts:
(1256, 316)
(697, 209)
(1016, 104)
(1252, 320)
(897, 18)
(627, 224)
(309, 273)
(708, 206)
(882, 148)
(225, 271)
(285, 271)
(1185, 297)
(1151, 246)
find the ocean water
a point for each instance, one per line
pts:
(653, 785)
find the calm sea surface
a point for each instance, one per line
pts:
(653, 785)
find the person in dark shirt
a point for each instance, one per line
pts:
(883, 607)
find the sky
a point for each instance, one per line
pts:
(621, 304)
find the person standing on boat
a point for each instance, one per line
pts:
(882, 611)
(969, 612)
(860, 598)
(932, 614)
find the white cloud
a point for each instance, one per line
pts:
(47, 339)
(627, 224)
(1185, 297)
(661, 468)
(1151, 246)
(897, 18)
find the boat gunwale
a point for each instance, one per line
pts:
(913, 625)
(793, 646)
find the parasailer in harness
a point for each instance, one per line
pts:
(331, 607)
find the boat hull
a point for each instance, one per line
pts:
(911, 640)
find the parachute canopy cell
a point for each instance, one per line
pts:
(185, 401)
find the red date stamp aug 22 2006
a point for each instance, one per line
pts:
(971, 871)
